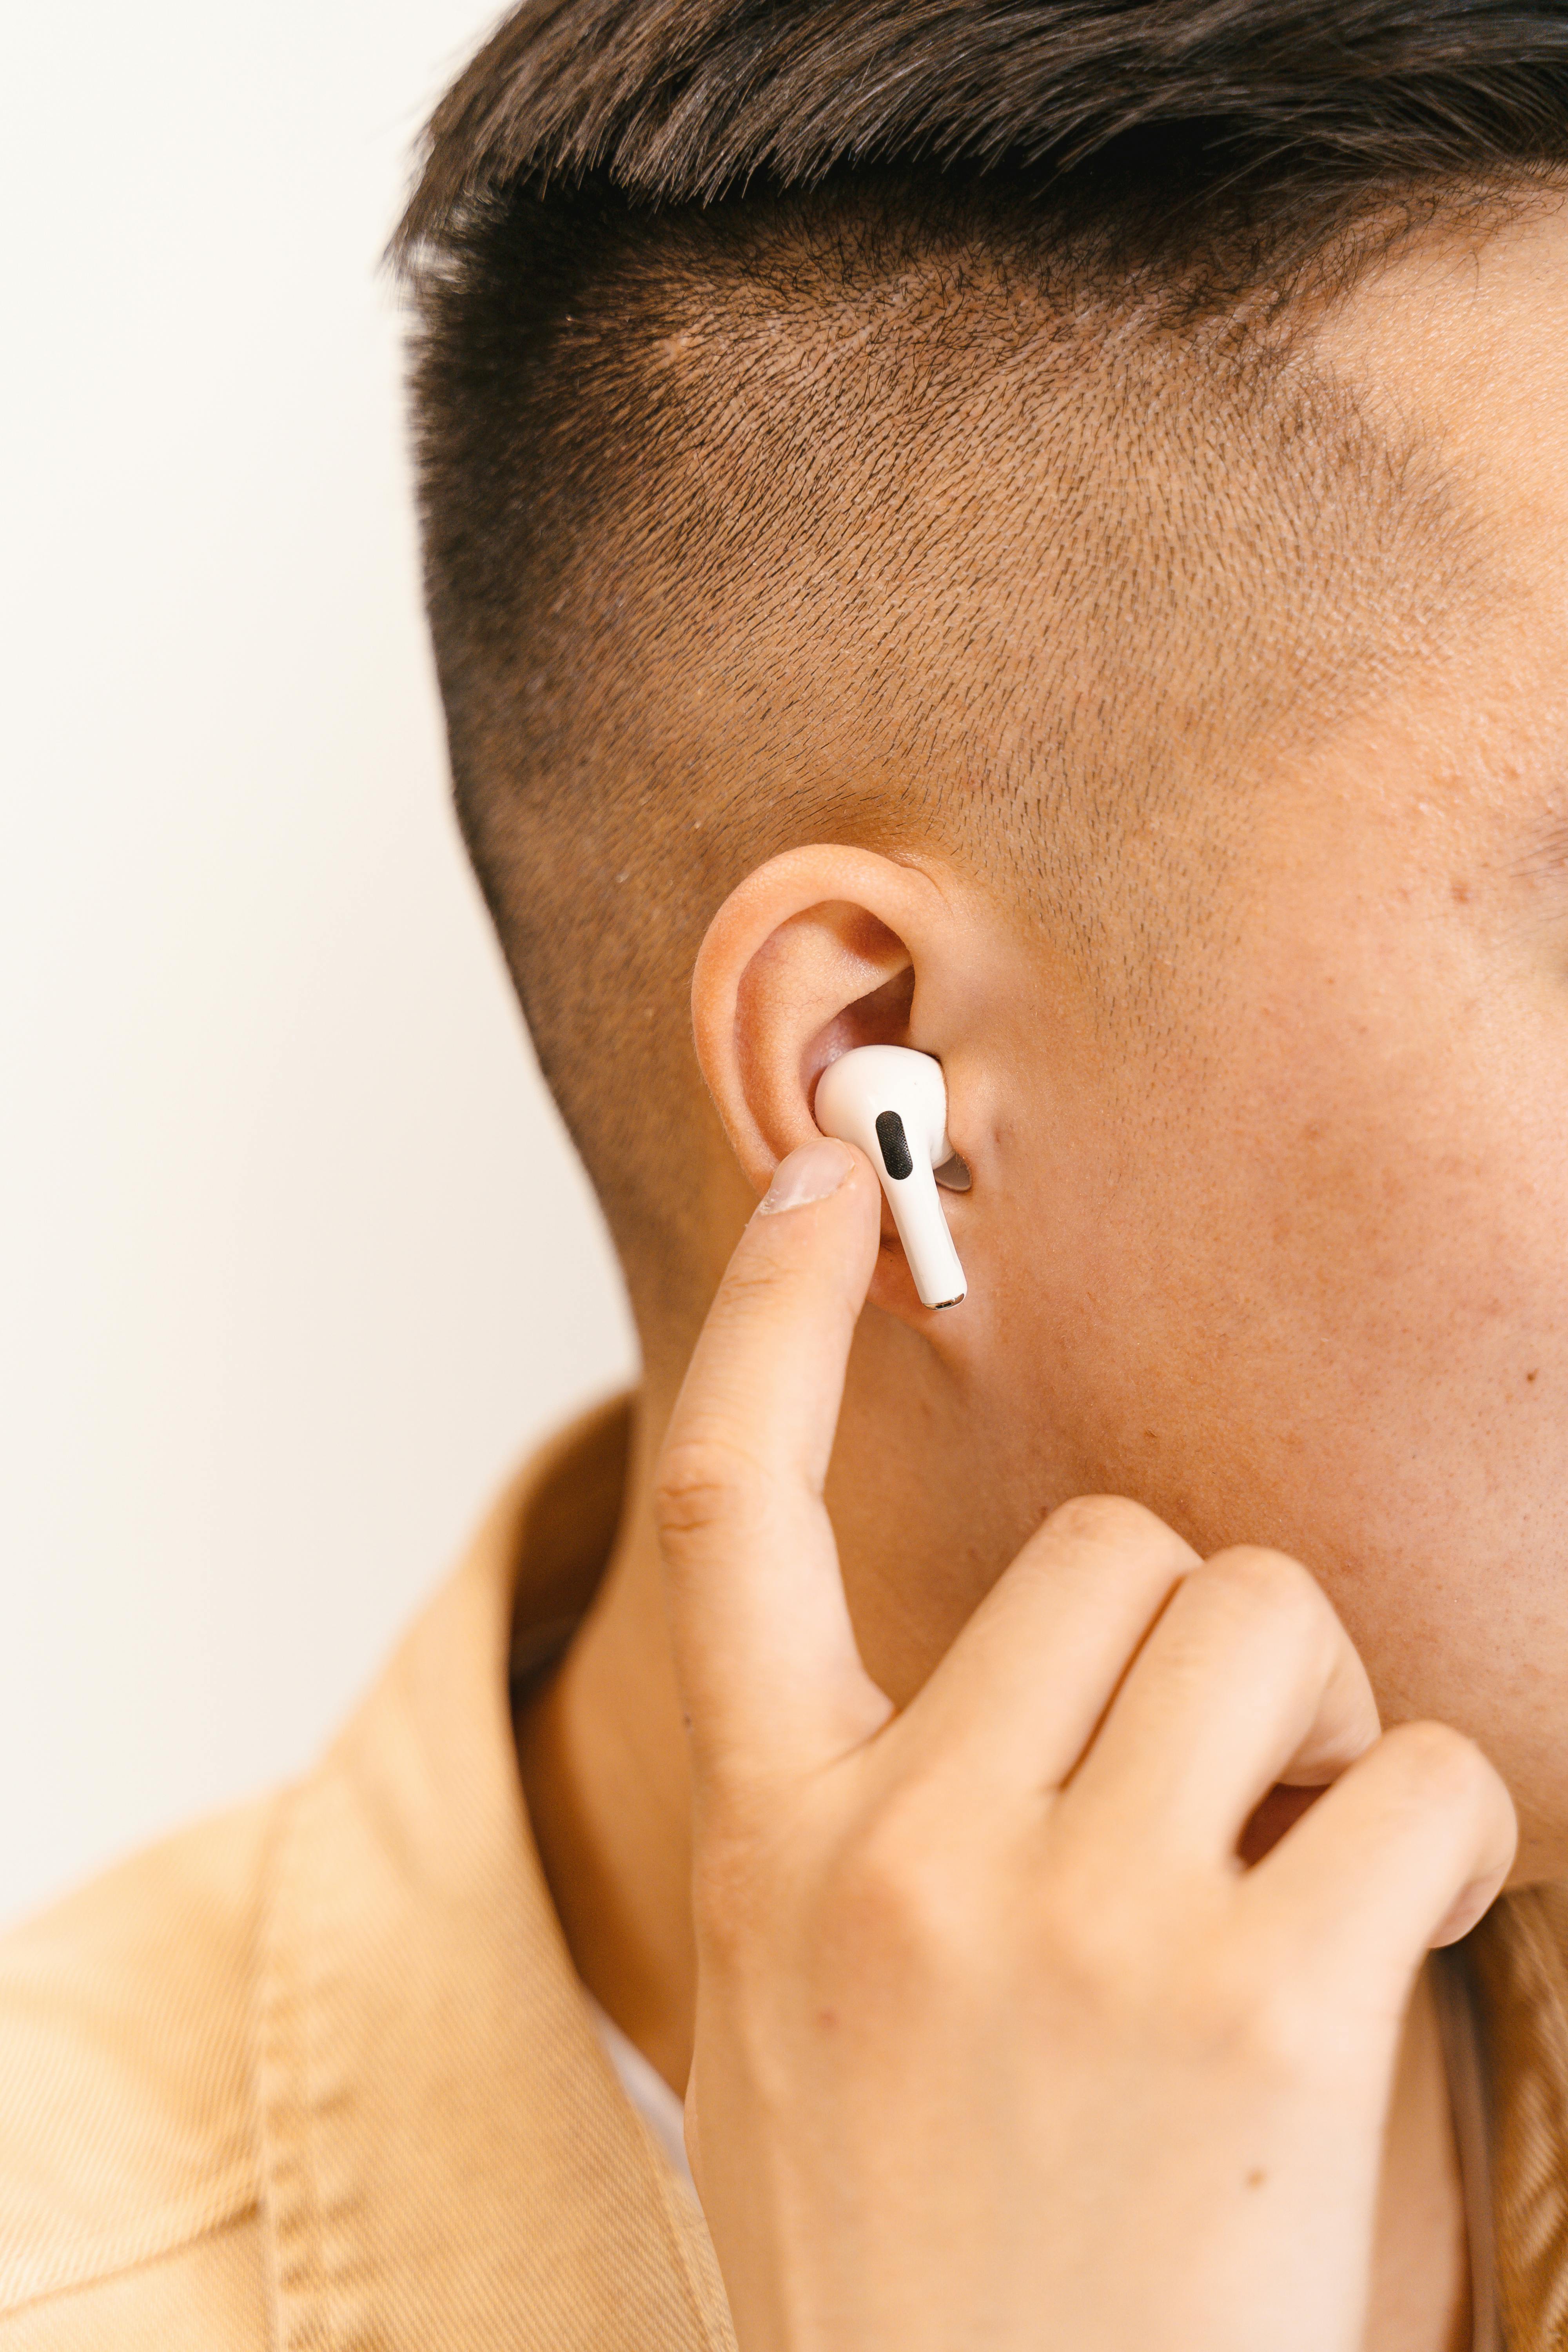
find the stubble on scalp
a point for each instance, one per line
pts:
(946, 550)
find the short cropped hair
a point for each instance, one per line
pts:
(738, 325)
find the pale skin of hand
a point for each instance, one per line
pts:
(998, 2042)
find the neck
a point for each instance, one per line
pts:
(604, 1763)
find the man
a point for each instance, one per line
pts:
(1038, 534)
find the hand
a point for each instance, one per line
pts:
(998, 2041)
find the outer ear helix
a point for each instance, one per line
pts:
(892, 1102)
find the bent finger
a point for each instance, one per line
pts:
(1247, 1679)
(1016, 1698)
(1404, 1852)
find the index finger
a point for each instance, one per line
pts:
(765, 1653)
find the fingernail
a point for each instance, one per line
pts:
(809, 1174)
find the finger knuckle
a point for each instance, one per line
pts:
(732, 1898)
(898, 1893)
(1437, 1764)
(1273, 1577)
(1239, 2003)
(699, 1480)
(1275, 2024)
(1108, 1523)
(1258, 1584)
(753, 1280)
(1096, 1939)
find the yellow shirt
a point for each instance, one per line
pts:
(320, 2075)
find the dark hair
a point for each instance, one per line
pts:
(1213, 139)
(683, 101)
(1208, 150)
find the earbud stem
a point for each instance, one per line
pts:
(917, 1212)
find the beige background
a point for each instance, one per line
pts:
(293, 1256)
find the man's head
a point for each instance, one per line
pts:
(1036, 532)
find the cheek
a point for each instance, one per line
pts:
(1295, 1271)
(1334, 1304)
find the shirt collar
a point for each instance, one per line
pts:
(449, 2158)
(1519, 1956)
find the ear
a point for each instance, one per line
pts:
(819, 950)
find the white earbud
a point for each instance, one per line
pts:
(892, 1102)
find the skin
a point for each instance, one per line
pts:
(981, 1977)
(1277, 1253)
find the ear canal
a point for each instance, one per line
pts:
(892, 1102)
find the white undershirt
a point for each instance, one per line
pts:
(646, 2089)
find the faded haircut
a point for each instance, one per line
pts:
(886, 423)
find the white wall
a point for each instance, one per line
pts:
(274, 1161)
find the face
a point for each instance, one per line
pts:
(1285, 1256)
